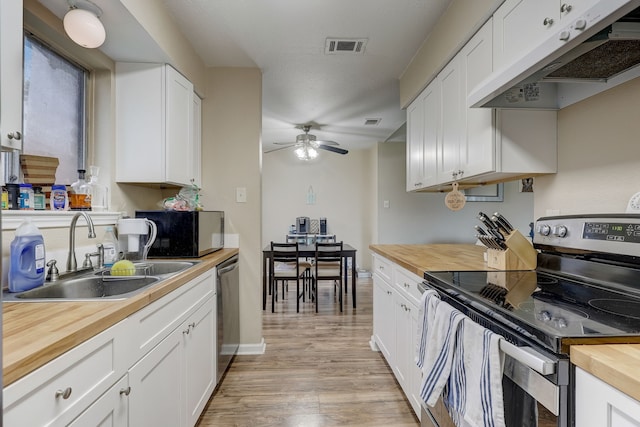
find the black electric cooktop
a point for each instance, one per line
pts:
(554, 309)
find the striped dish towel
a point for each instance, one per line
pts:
(474, 391)
(426, 315)
(439, 352)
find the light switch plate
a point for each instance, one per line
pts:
(241, 195)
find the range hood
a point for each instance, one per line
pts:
(596, 51)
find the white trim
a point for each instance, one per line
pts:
(247, 349)
(54, 219)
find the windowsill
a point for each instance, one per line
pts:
(54, 219)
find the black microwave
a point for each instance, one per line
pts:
(185, 234)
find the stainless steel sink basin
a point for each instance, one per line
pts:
(89, 287)
(100, 285)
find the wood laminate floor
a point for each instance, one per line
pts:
(318, 370)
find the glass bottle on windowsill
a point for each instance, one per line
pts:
(99, 192)
(80, 195)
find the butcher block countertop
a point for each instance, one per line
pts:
(616, 364)
(435, 257)
(34, 333)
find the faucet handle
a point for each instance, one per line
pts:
(52, 271)
(87, 261)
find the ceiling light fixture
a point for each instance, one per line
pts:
(83, 26)
(306, 152)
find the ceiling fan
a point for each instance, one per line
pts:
(306, 145)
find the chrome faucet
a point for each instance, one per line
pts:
(72, 264)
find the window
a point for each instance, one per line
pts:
(54, 108)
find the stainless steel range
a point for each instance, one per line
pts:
(585, 289)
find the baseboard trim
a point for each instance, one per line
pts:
(247, 349)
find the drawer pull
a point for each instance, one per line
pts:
(192, 325)
(185, 332)
(125, 391)
(65, 394)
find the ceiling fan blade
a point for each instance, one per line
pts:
(331, 148)
(285, 143)
(319, 142)
(279, 148)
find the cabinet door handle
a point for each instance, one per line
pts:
(15, 135)
(547, 22)
(192, 325)
(125, 391)
(65, 394)
(185, 332)
(565, 8)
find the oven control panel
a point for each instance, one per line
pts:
(609, 233)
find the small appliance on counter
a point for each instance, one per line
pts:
(303, 224)
(185, 234)
(135, 237)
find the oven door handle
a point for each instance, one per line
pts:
(529, 357)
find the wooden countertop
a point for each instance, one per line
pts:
(435, 257)
(616, 364)
(34, 333)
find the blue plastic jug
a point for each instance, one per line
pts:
(27, 258)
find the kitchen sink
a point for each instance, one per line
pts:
(89, 287)
(100, 286)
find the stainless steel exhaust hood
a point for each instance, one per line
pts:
(598, 50)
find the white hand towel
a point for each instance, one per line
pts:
(439, 352)
(426, 314)
(474, 391)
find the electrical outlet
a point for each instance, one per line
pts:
(385, 204)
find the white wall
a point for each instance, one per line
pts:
(342, 187)
(598, 155)
(232, 120)
(424, 218)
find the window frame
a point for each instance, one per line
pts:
(83, 146)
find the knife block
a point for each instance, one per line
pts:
(519, 255)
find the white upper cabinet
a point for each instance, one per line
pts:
(423, 117)
(11, 75)
(474, 145)
(520, 25)
(196, 156)
(450, 122)
(154, 125)
(477, 142)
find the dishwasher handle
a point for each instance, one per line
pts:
(229, 265)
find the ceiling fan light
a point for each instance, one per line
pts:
(84, 28)
(306, 153)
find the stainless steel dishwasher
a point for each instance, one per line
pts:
(228, 313)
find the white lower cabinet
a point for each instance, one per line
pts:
(199, 342)
(383, 312)
(395, 324)
(600, 405)
(155, 368)
(111, 410)
(173, 382)
(156, 385)
(56, 393)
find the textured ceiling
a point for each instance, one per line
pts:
(286, 40)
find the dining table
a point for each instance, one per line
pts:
(309, 251)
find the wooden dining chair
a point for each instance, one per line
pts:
(285, 265)
(328, 266)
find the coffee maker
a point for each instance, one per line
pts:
(135, 237)
(303, 223)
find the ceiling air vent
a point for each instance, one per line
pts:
(371, 122)
(334, 46)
